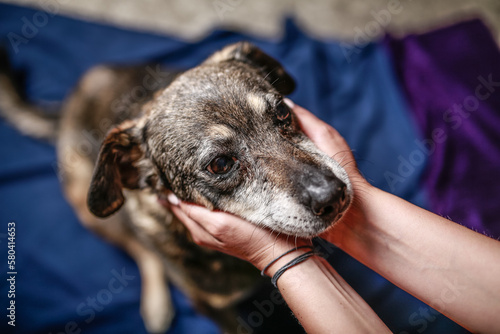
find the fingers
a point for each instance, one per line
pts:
(217, 223)
(230, 234)
(306, 118)
(196, 219)
(200, 235)
(214, 229)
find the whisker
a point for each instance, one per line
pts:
(343, 151)
(275, 81)
(269, 73)
(259, 223)
(348, 162)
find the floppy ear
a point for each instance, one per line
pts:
(115, 169)
(270, 68)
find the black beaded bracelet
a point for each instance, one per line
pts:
(294, 262)
(263, 272)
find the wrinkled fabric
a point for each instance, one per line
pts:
(451, 78)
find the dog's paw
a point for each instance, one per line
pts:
(157, 310)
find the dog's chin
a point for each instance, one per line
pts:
(310, 231)
(309, 227)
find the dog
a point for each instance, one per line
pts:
(218, 135)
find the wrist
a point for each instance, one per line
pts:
(291, 265)
(281, 256)
(350, 229)
(289, 259)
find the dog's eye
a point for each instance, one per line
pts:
(221, 164)
(283, 112)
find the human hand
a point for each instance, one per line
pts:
(232, 235)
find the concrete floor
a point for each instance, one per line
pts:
(336, 19)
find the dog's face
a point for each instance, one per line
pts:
(221, 136)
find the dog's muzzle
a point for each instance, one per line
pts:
(323, 193)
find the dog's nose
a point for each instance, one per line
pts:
(323, 193)
(325, 203)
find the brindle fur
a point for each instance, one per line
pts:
(232, 105)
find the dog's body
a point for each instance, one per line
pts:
(218, 135)
(155, 238)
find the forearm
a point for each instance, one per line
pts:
(417, 250)
(333, 308)
(321, 300)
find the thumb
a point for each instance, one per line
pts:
(322, 134)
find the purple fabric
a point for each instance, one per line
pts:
(452, 81)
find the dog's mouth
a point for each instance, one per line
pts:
(307, 225)
(305, 222)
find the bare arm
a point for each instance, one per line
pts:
(320, 299)
(447, 266)
(324, 303)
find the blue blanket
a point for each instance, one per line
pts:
(64, 272)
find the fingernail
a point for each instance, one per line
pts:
(289, 102)
(172, 199)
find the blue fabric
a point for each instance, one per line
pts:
(60, 265)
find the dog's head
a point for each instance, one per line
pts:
(221, 136)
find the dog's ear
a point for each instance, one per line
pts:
(270, 68)
(116, 168)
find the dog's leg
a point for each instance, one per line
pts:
(156, 305)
